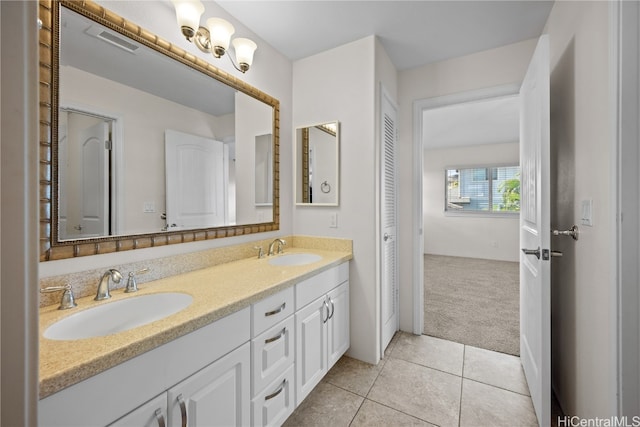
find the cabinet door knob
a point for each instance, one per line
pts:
(333, 307)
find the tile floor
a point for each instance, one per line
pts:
(422, 381)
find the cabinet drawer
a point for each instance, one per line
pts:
(271, 310)
(276, 402)
(314, 287)
(272, 352)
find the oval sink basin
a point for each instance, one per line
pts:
(118, 316)
(294, 259)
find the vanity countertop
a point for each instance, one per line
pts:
(217, 292)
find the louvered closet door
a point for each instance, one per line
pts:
(388, 221)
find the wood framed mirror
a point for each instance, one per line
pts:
(94, 116)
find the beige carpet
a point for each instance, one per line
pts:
(473, 301)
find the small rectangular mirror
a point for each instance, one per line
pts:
(317, 164)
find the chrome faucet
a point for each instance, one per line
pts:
(103, 286)
(275, 242)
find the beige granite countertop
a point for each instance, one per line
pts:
(217, 292)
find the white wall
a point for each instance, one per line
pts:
(252, 119)
(488, 237)
(339, 84)
(271, 72)
(495, 67)
(582, 318)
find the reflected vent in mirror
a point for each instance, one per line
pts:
(112, 39)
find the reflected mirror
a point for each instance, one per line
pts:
(317, 164)
(150, 139)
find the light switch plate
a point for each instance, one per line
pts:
(334, 220)
(149, 207)
(587, 213)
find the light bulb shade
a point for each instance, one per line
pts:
(220, 32)
(244, 51)
(188, 13)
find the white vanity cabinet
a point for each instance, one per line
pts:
(218, 395)
(272, 359)
(252, 367)
(322, 326)
(126, 388)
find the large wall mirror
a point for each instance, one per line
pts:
(142, 143)
(317, 164)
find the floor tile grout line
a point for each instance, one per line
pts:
(428, 367)
(498, 387)
(402, 412)
(464, 351)
(359, 408)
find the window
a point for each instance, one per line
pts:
(486, 189)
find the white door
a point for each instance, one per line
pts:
(388, 221)
(535, 233)
(195, 181)
(94, 185)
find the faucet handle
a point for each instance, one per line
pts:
(67, 301)
(280, 247)
(132, 285)
(260, 251)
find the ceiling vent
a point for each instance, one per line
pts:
(113, 39)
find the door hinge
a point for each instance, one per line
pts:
(108, 145)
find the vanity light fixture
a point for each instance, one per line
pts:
(215, 37)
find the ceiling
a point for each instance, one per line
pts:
(490, 121)
(413, 33)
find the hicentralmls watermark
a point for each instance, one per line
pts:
(575, 421)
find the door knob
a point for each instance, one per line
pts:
(387, 236)
(535, 252)
(573, 232)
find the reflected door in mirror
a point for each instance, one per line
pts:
(84, 172)
(196, 181)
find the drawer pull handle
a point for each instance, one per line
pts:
(277, 337)
(183, 410)
(160, 418)
(276, 311)
(278, 391)
(333, 308)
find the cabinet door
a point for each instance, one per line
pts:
(311, 347)
(217, 395)
(338, 338)
(151, 414)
